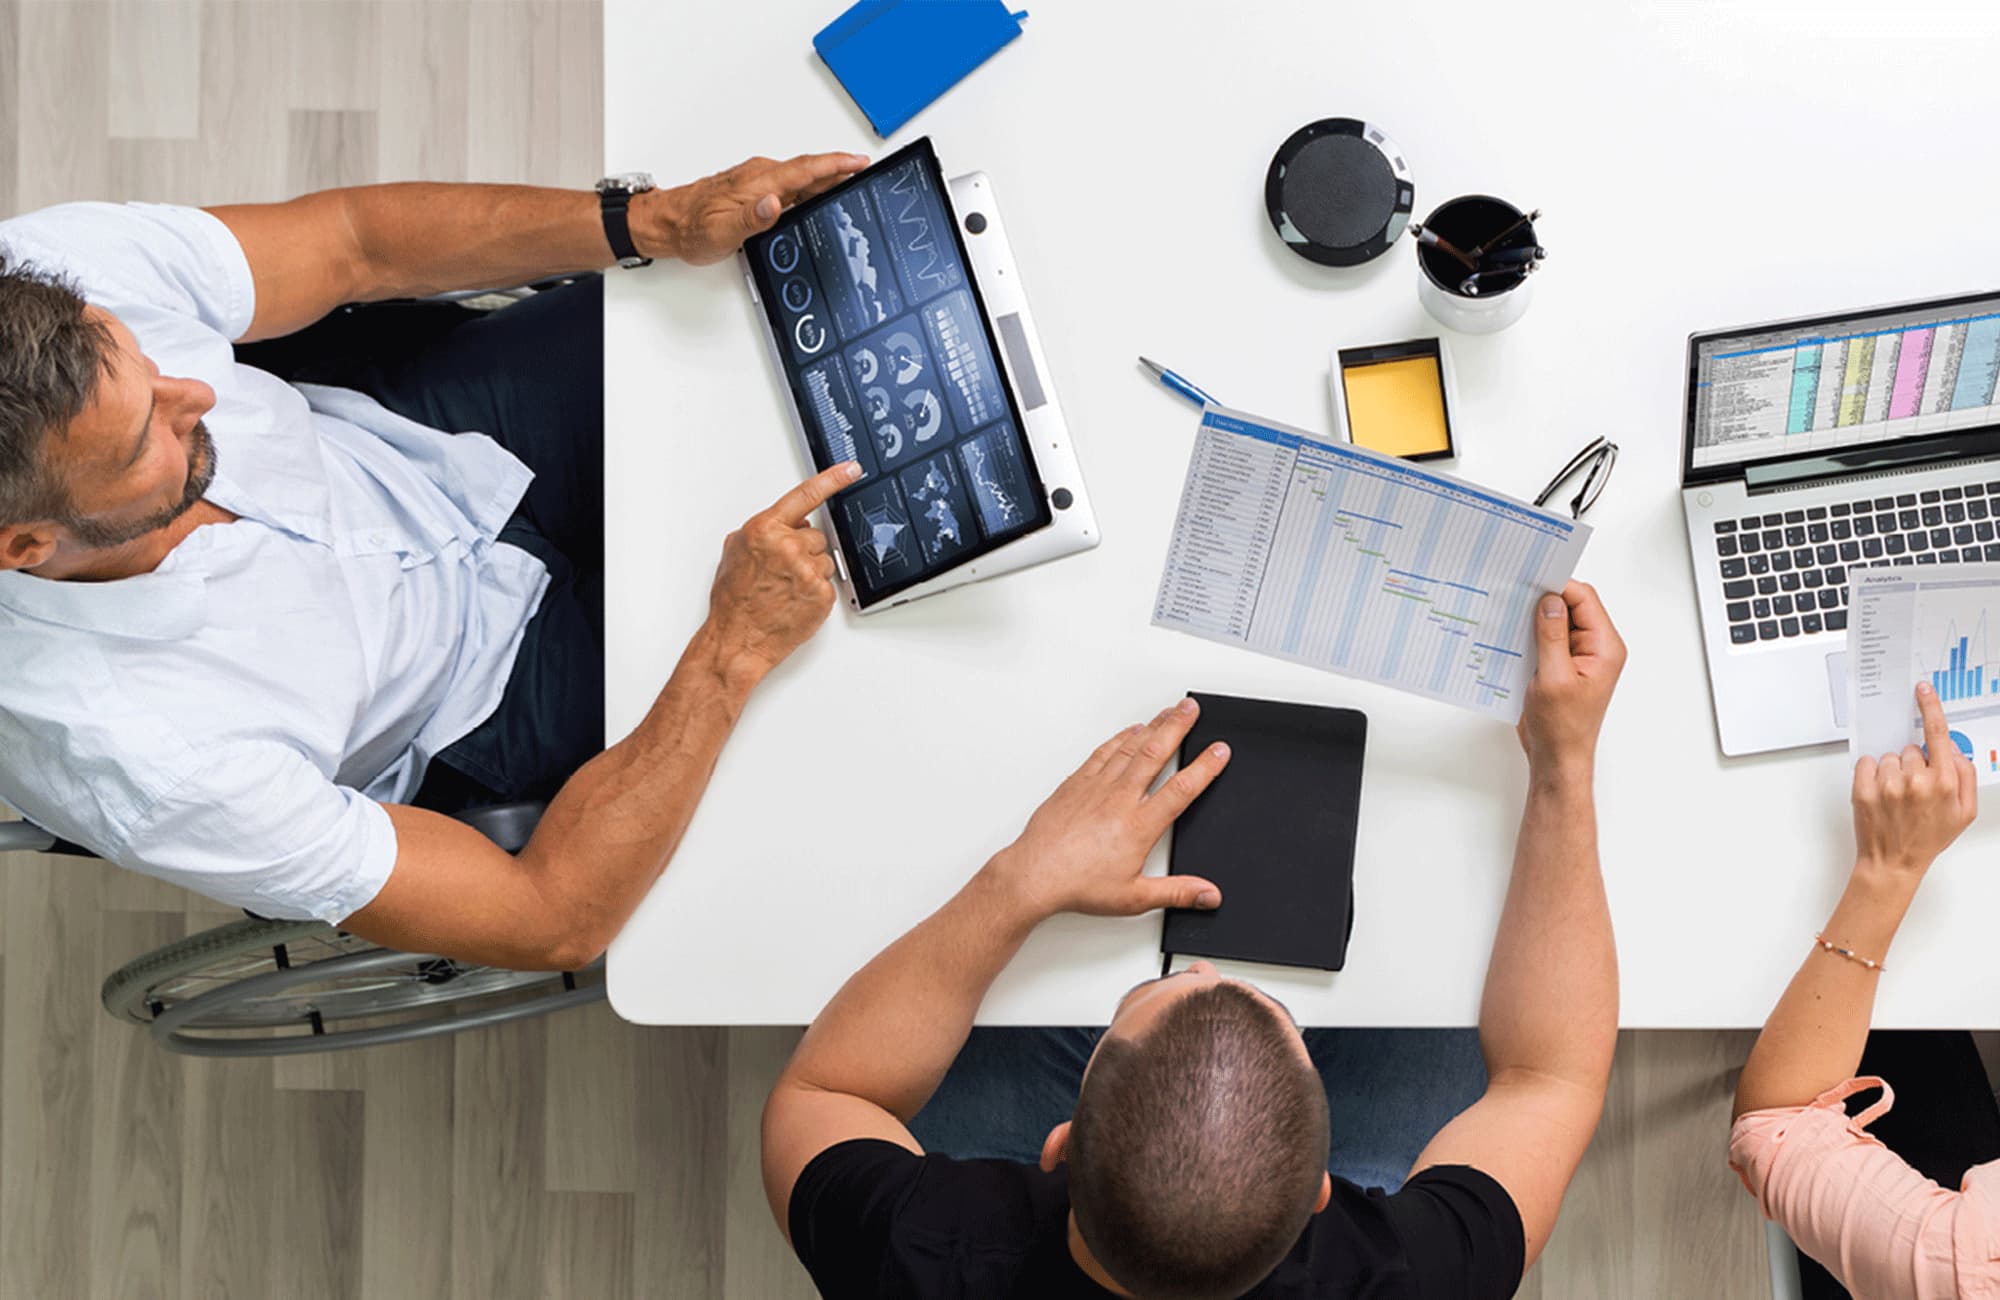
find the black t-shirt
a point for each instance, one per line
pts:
(871, 1220)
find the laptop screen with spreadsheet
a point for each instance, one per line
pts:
(1827, 384)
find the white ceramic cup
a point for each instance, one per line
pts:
(1487, 312)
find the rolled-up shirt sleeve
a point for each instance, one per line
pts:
(1882, 1229)
(179, 260)
(259, 827)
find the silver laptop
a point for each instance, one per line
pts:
(896, 317)
(1813, 446)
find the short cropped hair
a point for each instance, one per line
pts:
(52, 356)
(1196, 1150)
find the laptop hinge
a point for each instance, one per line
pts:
(1881, 461)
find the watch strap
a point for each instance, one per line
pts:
(613, 204)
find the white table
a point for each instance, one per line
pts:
(1773, 159)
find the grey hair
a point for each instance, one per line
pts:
(52, 356)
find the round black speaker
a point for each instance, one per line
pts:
(1339, 192)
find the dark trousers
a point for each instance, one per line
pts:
(1944, 1122)
(530, 376)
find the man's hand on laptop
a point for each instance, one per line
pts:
(774, 586)
(1085, 847)
(706, 220)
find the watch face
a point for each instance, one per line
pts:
(630, 182)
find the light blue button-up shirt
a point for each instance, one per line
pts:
(234, 720)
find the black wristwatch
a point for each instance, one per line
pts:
(614, 196)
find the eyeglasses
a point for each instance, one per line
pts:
(1599, 457)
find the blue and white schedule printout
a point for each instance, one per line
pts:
(1332, 555)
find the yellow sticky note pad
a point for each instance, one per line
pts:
(1397, 406)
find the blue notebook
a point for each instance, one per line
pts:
(896, 56)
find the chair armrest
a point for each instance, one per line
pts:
(507, 824)
(25, 837)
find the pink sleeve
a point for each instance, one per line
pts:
(1881, 1228)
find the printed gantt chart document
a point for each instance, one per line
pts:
(1936, 625)
(1335, 556)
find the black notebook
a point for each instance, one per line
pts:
(1275, 832)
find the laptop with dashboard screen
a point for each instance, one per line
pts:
(896, 319)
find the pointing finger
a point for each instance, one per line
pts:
(1937, 733)
(793, 507)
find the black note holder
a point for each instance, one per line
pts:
(1275, 832)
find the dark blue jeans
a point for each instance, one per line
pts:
(530, 376)
(1389, 1091)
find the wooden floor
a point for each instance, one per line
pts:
(572, 1157)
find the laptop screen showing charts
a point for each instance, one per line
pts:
(1820, 386)
(884, 341)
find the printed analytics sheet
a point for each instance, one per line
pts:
(1931, 624)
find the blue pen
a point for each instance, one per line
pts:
(1179, 385)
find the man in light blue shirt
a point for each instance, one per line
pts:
(241, 618)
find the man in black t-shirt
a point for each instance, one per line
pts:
(1193, 1165)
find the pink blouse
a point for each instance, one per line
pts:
(1880, 1227)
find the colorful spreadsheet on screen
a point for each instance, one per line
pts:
(1872, 379)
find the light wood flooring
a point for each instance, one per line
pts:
(572, 1157)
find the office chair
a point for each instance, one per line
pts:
(258, 987)
(1784, 1256)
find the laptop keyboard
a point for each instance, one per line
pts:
(1785, 574)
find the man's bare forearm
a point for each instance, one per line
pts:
(892, 1031)
(1551, 1000)
(419, 239)
(610, 831)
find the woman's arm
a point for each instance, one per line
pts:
(1908, 808)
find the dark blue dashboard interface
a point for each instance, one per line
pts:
(883, 337)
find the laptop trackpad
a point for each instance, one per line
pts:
(1836, 681)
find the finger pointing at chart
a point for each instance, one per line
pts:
(1954, 770)
(774, 586)
(794, 507)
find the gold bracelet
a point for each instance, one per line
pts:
(1848, 953)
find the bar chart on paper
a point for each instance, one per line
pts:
(1967, 673)
(1938, 630)
(1359, 563)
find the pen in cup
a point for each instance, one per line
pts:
(1424, 235)
(1178, 384)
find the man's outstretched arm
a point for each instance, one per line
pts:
(1548, 1021)
(879, 1050)
(610, 831)
(370, 242)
